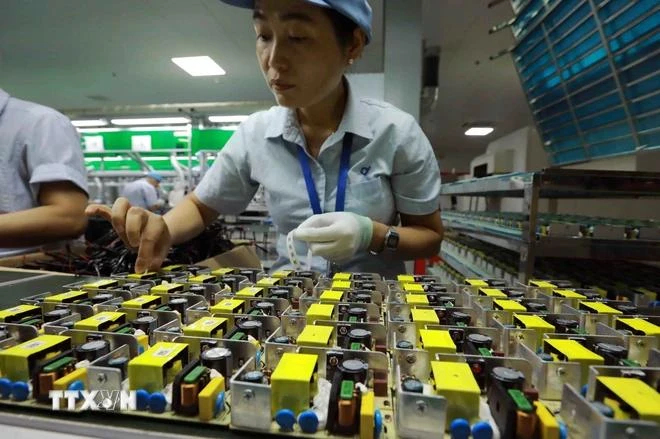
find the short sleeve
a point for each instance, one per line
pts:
(228, 187)
(53, 153)
(150, 195)
(416, 175)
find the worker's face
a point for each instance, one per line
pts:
(298, 51)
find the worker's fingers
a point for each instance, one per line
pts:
(100, 211)
(136, 219)
(118, 219)
(154, 244)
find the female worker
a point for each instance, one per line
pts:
(338, 169)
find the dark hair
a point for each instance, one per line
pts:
(343, 26)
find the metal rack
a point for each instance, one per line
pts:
(554, 184)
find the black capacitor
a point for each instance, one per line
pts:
(354, 370)
(359, 335)
(169, 278)
(56, 314)
(128, 286)
(100, 298)
(435, 288)
(612, 353)
(480, 341)
(120, 363)
(200, 290)
(145, 323)
(513, 294)
(194, 269)
(446, 300)
(458, 317)
(295, 313)
(178, 304)
(510, 378)
(250, 274)
(360, 313)
(219, 359)
(282, 339)
(563, 284)
(306, 274)
(267, 308)
(253, 328)
(633, 373)
(496, 283)
(67, 325)
(404, 344)
(92, 350)
(412, 385)
(591, 295)
(230, 280)
(365, 285)
(627, 309)
(362, 298)
(280, 292)
(174, 330)
(545, 356)
(397, 319)
(254, 376)
(536, 307)
(566, 326)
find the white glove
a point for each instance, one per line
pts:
(336, 236)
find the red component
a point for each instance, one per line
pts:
(476, 369)
(498, 354)
(531, 393)
(420, 266)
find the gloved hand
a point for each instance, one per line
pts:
(336, 236)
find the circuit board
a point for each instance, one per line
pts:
(353, 355)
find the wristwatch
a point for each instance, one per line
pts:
(391, 241)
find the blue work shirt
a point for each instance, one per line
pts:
(37, 145)
(140, 193)
(392, 170)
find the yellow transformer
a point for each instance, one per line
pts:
(319, 311)
(103, 321)
(342, 276)
(167, 289)
(143, 302)
(315, 335)
(223, 271)
(142, 276)
(436, 341)
(492, 292)
(423, 317)
(629, 398)
(341, 285)
(545, 286)
(413, 288)
(405, 279)
(293, 382)
(476, 282)
(157, 367)
(269, 282)
(101, 284)
(228, 306)
(638, 326)
(250, 292)
(202, 279)
(533, 322)
(508, 305)
(598, 308)
(573, 351)
(456, 383)
(417, 299)
(18, 313)
(207, 327)
(68, 297)
(172, 268)
(568, 294)
(282, 274)
(331, 296)
(18, 362)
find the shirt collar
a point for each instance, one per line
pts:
(354, 120)
(4, 99)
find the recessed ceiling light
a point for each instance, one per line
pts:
(150, 121)
(227, 119)
(86, 123)
(229, 127)
(199, 66)
(479, 131)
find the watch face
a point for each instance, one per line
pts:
(392, 240)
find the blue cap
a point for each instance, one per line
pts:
(157, 402)
(308, 421)
(482, 430)
(156, 176)
(286, 419)
(357, 11)
(459, 429)
(142, 399)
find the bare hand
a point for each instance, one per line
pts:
(138, 229)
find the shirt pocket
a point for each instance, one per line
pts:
(370, 191)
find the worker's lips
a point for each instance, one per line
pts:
(281, 86)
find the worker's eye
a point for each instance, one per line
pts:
(297, 38)
(263, 37)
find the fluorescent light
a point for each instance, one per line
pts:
(150, 121)
(479, 131)
(89, 123)
(105, 159)
(156, 128)
(229, 127)
(227, 119)
(155, 158)
(181, 134)
(199, 66)
(97, 130)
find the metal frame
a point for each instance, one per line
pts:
(554, 184)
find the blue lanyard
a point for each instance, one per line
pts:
(344, 164)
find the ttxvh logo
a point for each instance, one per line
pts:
(107, 400)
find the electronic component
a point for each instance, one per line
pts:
(572, 350)
(143, 302)
(263, 309)
(142, 276)
(598, 307)
(533, 322)
(315, 335)
(20, 313)
(354, 370)
(331, 296)
(92, 350)
(167, 288)
(637, 326)
(251, 328)
(146, 324)
(154, 369)
(228, 306)
(202, 279)
(214, 327)
(250, 292)
(19, 362)
(612, 354)
(186, 388)
(56, 314)
(354, 314)
(478, 344)
(455, 382)
(507, 402)
(178, 304)
(220, 359)
(422, 317)
(320, 311)
(359, 338)
(492, 292)
(104, 321)
(566, 326)
(629, 398)
(436, 341)
(68, 297)
(101, 284)
(508, 305)
(50, 370)
(293, 382)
